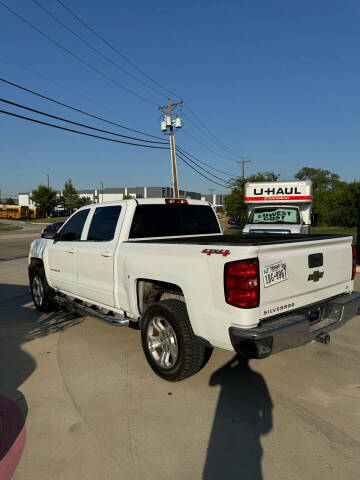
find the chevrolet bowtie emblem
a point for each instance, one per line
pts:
(315, 276)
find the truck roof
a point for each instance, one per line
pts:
(146, 201)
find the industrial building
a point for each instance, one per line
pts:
(111, 194)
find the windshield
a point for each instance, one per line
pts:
(278, 215)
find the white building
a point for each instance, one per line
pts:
(111, 194)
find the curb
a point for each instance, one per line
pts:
(12, 437)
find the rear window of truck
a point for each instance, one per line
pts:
(173, 220)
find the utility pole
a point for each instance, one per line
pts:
(165, 124)
(243, 161)
(48, 180)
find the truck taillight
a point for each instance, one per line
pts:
(176, 201)
(242, 283)
(353, 273)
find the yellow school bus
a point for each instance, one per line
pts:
(15, 212)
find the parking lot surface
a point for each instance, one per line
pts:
(93, 409)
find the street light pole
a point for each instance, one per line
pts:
(48, 180)
(102, 191)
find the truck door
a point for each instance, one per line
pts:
(62, 253)
(96, 256)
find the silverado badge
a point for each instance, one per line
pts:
(315, 276)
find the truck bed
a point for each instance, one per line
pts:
(243, 239)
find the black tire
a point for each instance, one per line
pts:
(190, 352)
(42, 294)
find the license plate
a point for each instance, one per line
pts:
(275, 273)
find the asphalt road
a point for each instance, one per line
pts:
(94, 409)
(16, 244)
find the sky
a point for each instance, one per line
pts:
(276, 82)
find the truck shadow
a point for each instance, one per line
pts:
(20, 323)
(243, 414)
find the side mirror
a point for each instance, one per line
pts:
(314, 219)
(50, 234)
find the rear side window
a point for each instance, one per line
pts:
(173, 220)
(103, 223)
(72, 230)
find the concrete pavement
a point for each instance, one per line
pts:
(95, 410)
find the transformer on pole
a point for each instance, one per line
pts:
(169, 123)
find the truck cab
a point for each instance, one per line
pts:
(278, 207)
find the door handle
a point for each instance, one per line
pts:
(71, 250)
(106, 253)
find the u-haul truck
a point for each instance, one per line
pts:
(278, 207)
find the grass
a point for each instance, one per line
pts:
(320, 230)
(50, 220)
(7, 228)
(329, 230)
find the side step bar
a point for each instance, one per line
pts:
(91, 312)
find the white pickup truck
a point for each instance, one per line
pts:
(165, 266)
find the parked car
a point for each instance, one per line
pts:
(165, 266)
(59, 213)
(53, 226)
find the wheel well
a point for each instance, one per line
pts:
(35, 264)
(151, 291)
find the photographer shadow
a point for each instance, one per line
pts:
(243, 414)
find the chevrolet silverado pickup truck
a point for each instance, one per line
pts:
(165, 267)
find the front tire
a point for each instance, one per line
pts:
(41, 292)
(169, 343)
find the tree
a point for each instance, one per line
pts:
(45, 199)
(234, 202)
(9, 201)
(322, 180)
(70, 197)
(83, 201)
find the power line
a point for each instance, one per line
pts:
(208, 148)
(203, 169)
(62, 119)
(76, 56)
(214, 137)
(77, 131)
(114, 49)
(201, 130)
(91, 100)
(213, 181)
(95, 49)
(75, 109)
(204, 163)
(199, 166)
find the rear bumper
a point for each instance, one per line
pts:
(293, 330)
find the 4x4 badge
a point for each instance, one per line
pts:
(315, 276)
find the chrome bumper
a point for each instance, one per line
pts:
(293, 330)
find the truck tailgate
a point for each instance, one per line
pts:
(299, 274)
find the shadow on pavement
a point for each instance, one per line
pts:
(19, 324)
(243, 414)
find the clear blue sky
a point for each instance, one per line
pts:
(278, 82)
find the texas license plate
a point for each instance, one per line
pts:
(275, 273)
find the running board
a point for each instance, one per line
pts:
(91, 312)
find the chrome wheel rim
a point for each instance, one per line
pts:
(162, 342)
(38, 290)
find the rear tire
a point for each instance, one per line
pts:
(169, 343)
(42, 294)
